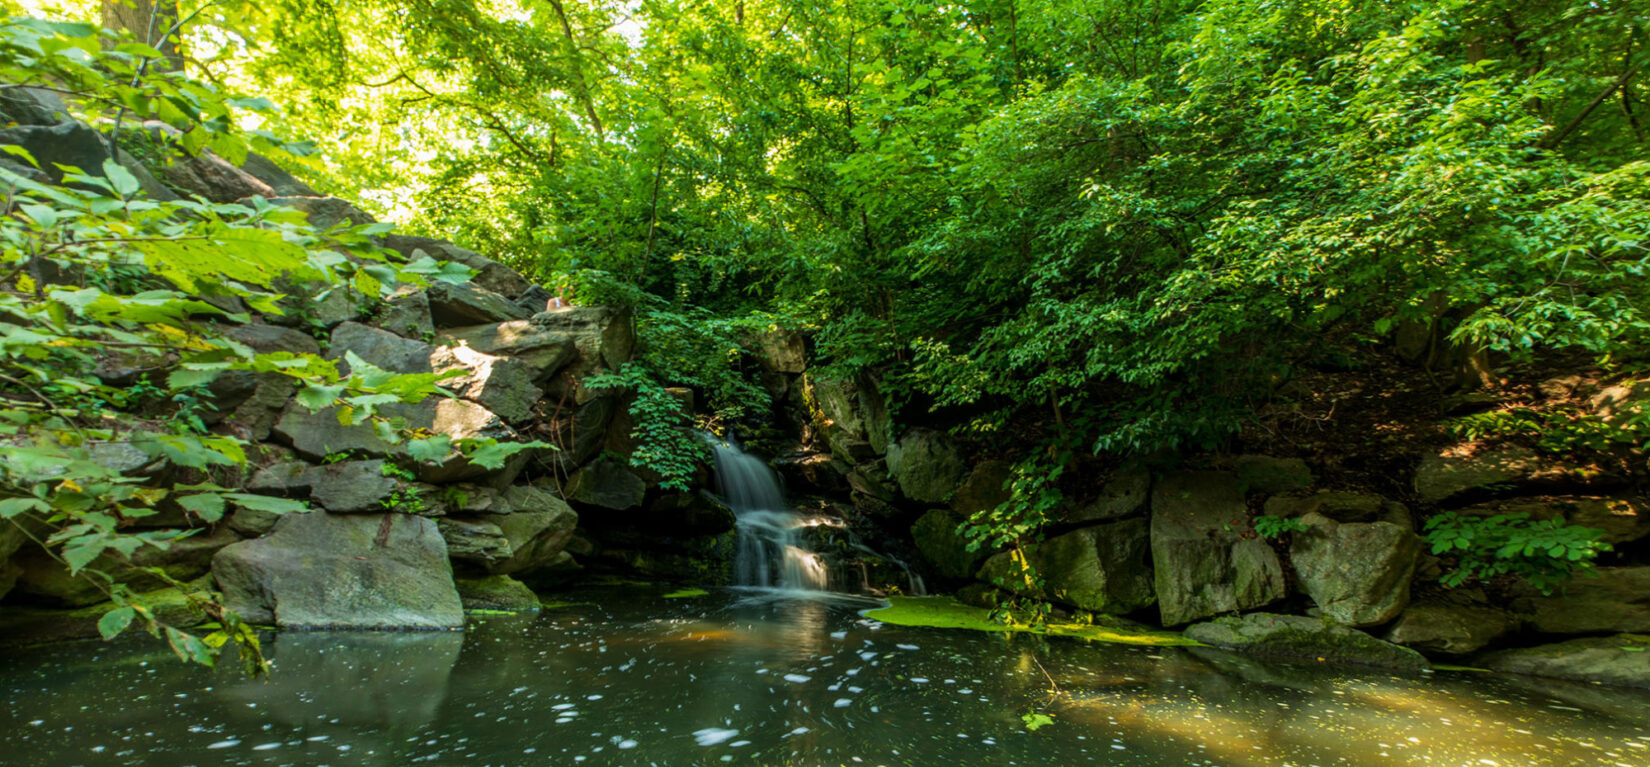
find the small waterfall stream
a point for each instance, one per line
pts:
(771, 554)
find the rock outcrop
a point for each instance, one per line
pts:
(1202, 565)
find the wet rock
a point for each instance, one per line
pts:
(1202, 566)
(474, 540)
(1623, 659)
(379, 348)
(927, 464)
(1265, 474)
(1458, 473)
(1291, 637)
(1101, 568)
(500, 384)
(496, 592)
(1123, 495)
(317, 570)
(818, 472)
(453, 306)
(1617, 599)
(545, 351)
(1450, 629)
(936, 536)
(1358, 573)
(605, 484)
(45, 579)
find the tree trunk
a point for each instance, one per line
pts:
(149, 21)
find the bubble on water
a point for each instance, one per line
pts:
(797, 678)
(711, 736)
(224, 744)
(908, 647)
(627, 744)
(843, 702)
(919, 680)
(266, 746)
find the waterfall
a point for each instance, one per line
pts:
(771, 554)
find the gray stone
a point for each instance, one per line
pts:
(984, 489)
(1622, 519)
(315, 305)
(603, 338)
(1450, 629)
(538, 534)
(1291, 637)
(1100, 568)
(213, 178)
(379, 348)
(1622, 660)
(317, 570)
(474, 540)
(453, 306)
(31, 106)
(496, 592)
(288, 479)
(70, 143)
(782, 351)
(1202, 565)
(317, 435)
(545, 351)
(1358, 573)
(251, 522)
(352, 487)
(325, 212)
(1456, 473)
(267, 339)
(275, 177)
(1123, 495)
(1336, 505)
(1265, 474)
(1616, 599)
(44, 578)
(935, 534)
(927, 464)
(490, 274)
(500, 384)
(605, 484)
(407, 314)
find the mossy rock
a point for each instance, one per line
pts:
(1623, 659)
(497, 592)
(1297, 638)
(948, 613)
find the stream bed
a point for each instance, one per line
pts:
(627, 677)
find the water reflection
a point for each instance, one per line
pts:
(754, 677)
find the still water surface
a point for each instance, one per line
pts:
(628, 678)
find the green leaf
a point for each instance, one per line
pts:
(208, 506)
(115, 621)
(267, 503)
(12, 507)
(125, 184)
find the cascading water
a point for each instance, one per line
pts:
(770, 553)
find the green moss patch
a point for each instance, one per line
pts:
(948, 613)
(686, 593)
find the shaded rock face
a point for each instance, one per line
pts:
(45, 579)
(935, 534)
(1337, 505)
(496, 592)
(500, 384)
(1456, 474)
(317, 435)
(1616, 600)
(1450, 629)
(606, 484)
(453, 306)
(543, 350)
(1201, 565)
(325, 212)
(1623, 519)
(1123, 495)
(379, 348)
(1265, 474)
(538, 528)
(1623, 660)
(343, 571)
(70, 143)
(490, 274)
(927, 464)
(984, 489)
(1293, 637)
(1357, 573)
(1101, 568)
(782, 351)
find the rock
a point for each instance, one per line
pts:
(453, 306)
(317, 435)
(1358, 573)
(275, 177)
(315, 305)
(1616, 600)
(816, 472)
(687, 514)
(1292, 637)
(352, 487)
(544, 351)
(407, 314)
(1339, 506)
(379, 348)
(267, 339)
(1101, 568)
(496, 592)
(474, 540)
(251, 522)
(1623, 659)
(782, 351)
(585, 434)
(603, 337)
(490, 274)
(534, 299)
(538, 530)
(1456, 473)
(151, 187)
(474, 499)
(927, 464)
(288, 479)
(1202, 566)
(1450, 629)
(1125, 494)
(605, 484)
(1265, 474)
(1623, 519)
(855, 422)
(871, 479)
(368, 571)
(984, 489)
(325, 212)
(935, 534)
(31, 106)
(500, 384)
(44, 578)
(213, 178)
(70, 143)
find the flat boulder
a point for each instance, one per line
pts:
(927, 464)
(1101, 569)
(545, 351)
(538, 527)
(1623, 659)
(1450, 629)
(1610, 600)
(1357, 572)
(362, 571)
(462, 305)
(500, 384)
(1298, 638)
(379, 348)
(1462, 473)
(1202, 566)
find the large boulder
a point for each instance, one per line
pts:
(379, 348)
(406, 314)
(1123, 495)
(1101, 568)
(538, 529)
(318, 436)
(544, 350)
(70, 143)
(1623, 519)
(854, 417)
(477, 541)
(1265, 474)
(466, 304)
(1358, 572)
(782, 351)
(318, 570)
(605, 484)
(324, 213)
(1462, 473)
(1623, 659)
(1338, 505)
(490, 274)
(1450, 629)
(1293, 637)
(603, 337)
(985, 489)
(936, 536)
(496, 592)
(267, 339)
(1202, 565)
(1615, 599)
(500, 384)
(927, 464)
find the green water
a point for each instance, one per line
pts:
(630, 678)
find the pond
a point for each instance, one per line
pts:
(626, 677)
